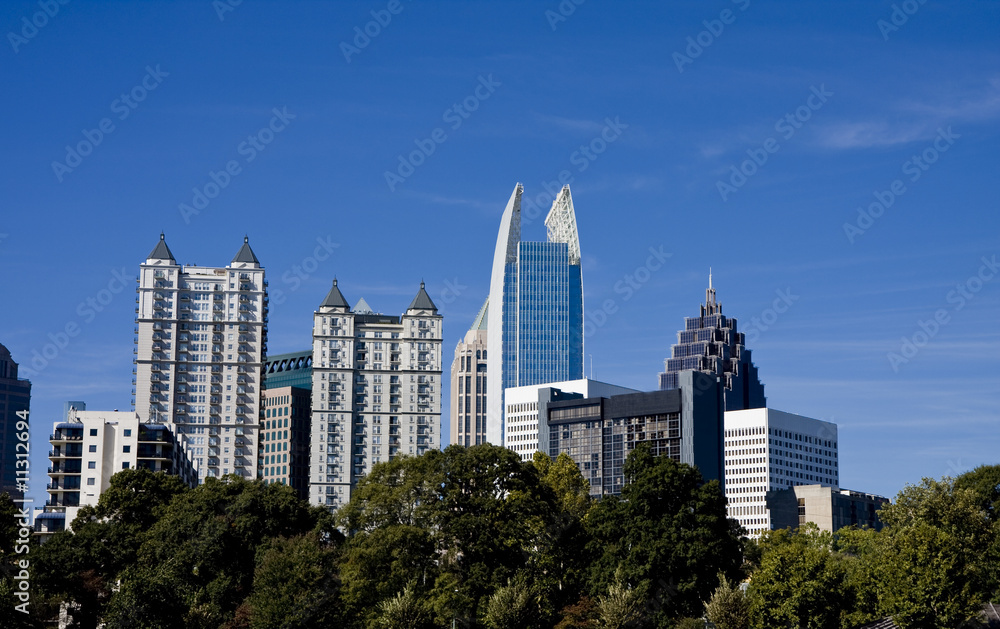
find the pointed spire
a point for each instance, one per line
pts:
(711, 307)
(334, 299)
(422, 301)
(161, 251)
(245, 253)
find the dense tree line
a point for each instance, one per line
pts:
(474, 537)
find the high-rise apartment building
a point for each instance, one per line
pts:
(15, 400)
(293, 369)
(201, 339)
(468, 385)
(769, 450)
(89, 447)
(376, 390)
(535, 317)
(712, 343)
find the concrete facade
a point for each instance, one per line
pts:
(827, 507)
(768, 450)
(376, 391)
(201, 339)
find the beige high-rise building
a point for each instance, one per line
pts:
(468, 385)
(376, 390)
(201, 338)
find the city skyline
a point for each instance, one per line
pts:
(841, 194)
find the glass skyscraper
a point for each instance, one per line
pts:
(711, 343)
(538, 328)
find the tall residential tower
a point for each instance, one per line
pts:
(376, 390)
(535, 315)
(201, 339)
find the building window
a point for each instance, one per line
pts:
(125, 465)
(90, 481)
(91, 465)
(92, 449)
(93, 432)
(128, 432)
(126, 448)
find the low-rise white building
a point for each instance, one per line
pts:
(91, 446)
(525, 431)
(767, 450)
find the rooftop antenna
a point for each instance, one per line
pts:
(591, 366)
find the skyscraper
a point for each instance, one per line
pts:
(376, 390)
(711, 343)
(535, 317)
(468, 385)
(15, 398)
(201, 339)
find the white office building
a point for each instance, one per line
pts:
(376, 390)
(766, 450)
(527, 429)
(201, 339)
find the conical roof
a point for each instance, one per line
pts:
(161, 251)
(335, 298)
(422, 301)
(245, 253)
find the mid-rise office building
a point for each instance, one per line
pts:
(201, 339)
(526, 411)
(829, 508)
(769, 450)
(376, 390)
(15, 402)
(535, 318)
(712, 343)
(89, 447)
(598, 433)
(468, 385)
(284, 437)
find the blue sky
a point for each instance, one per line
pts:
(842, 105)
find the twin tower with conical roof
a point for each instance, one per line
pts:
(201, 348)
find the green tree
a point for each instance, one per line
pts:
(800, 582)
(669, 528)
(197, 562)
(12, 553)
(579, 615)
(934, 563)
(622, 605)
(295, 584)
(728, 608)
(512, 606)
(403, 611)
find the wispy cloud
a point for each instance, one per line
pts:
(912, 120)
